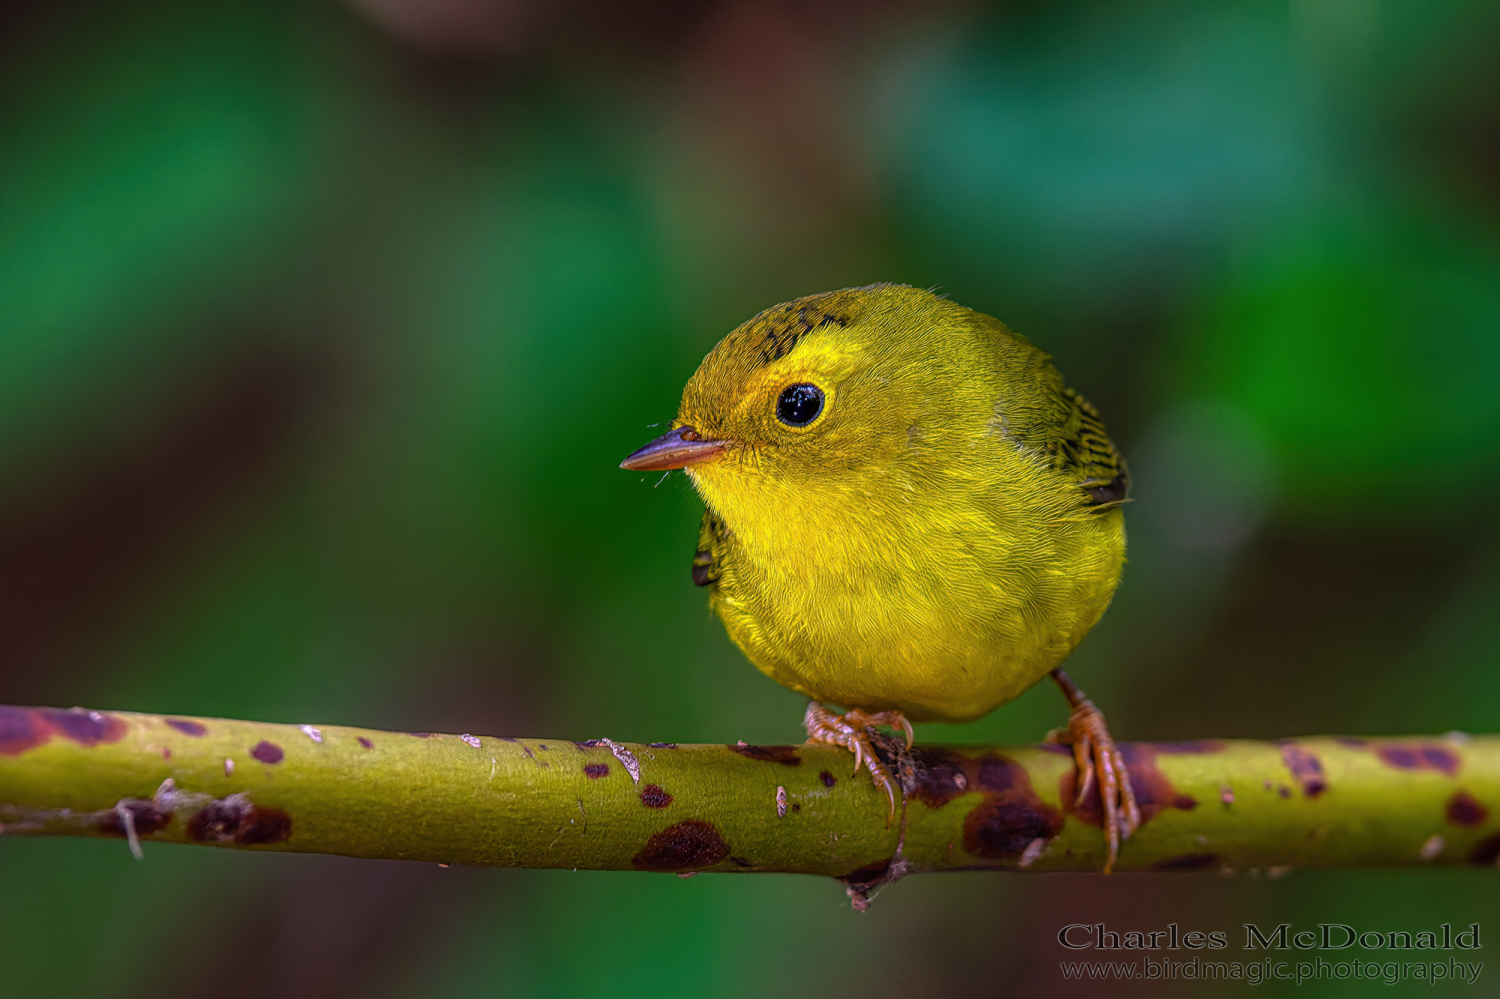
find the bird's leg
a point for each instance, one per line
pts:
(1101, 768)
(851, 730)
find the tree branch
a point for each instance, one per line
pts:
(463, 799)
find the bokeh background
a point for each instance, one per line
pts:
(323, 328)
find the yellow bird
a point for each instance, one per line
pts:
(909, 515)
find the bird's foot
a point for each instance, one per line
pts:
(1101, 768)
(852, 731)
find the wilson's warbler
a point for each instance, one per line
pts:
(908, 515)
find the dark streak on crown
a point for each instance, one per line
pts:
(786, 328)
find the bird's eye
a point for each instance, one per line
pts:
(799, 405)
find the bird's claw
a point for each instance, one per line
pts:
(858, 740)
(851, 731)
(1102, 772)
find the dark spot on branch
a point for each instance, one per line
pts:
(1486, 851)
(939, 775)
(1283, 790)
(1399, 757)
(588, 743)
(144, 815)
(1187, 862)
(1439, 758)
(1420, 756)
(1305, 767)
(420, 735)
(664, 745)
(187, 726)
(1465, 810)
(690, 844)
(507, 738)
(366, 743)
(236, 820)
(1008, 817)
(653, 796)
(87, 728)
(827, 778)
(20, 730)
(26, 728)
(1191, 746)
(1004, 825)
(740, 862)
(596, 770)
(785, 755)
(267, 752)
(1154, 792)
(997, 773)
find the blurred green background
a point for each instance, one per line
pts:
(323, 328)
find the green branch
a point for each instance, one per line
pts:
(464, 799)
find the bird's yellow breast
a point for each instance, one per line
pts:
(944, 599)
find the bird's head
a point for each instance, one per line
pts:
(821, 400)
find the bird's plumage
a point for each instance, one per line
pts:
(942, 534)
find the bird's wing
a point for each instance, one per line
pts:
(1085, 453)
(708, 558)
(1063, 430)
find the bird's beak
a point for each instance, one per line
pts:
(675, 449)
